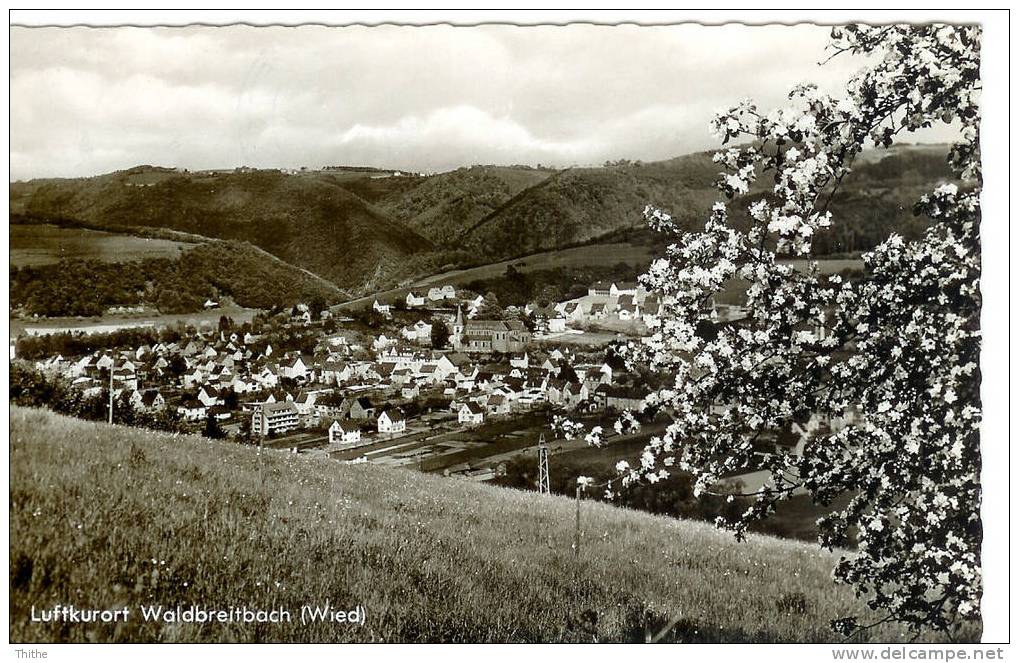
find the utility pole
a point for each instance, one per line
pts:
(112, 365)
(543, 483)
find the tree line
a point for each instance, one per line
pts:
(208, 271)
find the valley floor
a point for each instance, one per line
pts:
(112, 322)
(110, 517)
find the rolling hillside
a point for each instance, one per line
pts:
(584, 204)
(107, 517)
(310, 221)
(442, 206)
(578, 205)
(365, 230)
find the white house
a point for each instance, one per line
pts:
(150, 400)
(441, 293)
(381, 342)
(473, 306)
(344, 433)
(384, 309)
(392, 421)
(305, 403)
(419, 332)
(415, 300)
(296, 368)
(498, 404)
(191, 410)
(556, 325)
(623, 288)
(210, 396)
(471, 414)
(335, 372)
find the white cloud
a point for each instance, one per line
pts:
(87, 100)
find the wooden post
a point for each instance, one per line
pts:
(111, 391)
(576, 537)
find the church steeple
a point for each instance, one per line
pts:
(458, 329)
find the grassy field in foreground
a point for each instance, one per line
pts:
(41, 244)
(106, 517)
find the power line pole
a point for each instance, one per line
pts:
(543, 483)
(112, 364)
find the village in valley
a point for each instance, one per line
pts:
(439, 380)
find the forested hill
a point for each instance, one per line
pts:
(365, 229)
(309, 221)
(214, 270)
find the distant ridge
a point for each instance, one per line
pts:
(363, 232)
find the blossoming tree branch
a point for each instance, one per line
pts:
(894, 354)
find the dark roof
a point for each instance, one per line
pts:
(149, 397)
(487, 325)
(395, 414)
(345, 427)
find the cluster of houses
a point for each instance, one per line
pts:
(357, 392)
(437, 297)
(623, 302)
(342, 387)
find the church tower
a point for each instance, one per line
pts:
(458, 329)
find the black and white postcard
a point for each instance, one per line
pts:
(642, 330)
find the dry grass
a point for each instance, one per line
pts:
(431, 559)
(42, 244)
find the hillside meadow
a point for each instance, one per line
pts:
(43, 244)
(106, 517)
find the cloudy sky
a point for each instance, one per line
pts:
(91, 100)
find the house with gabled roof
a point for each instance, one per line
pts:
(498, 404)
(335, 372)
(152, 400)
(362, 408)
(192, 409)
(296, 368)
(440, 293)
(210, 396)
(305, 403)
(392, 420)
(471, 414)
(623, 288)
(344, 432)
